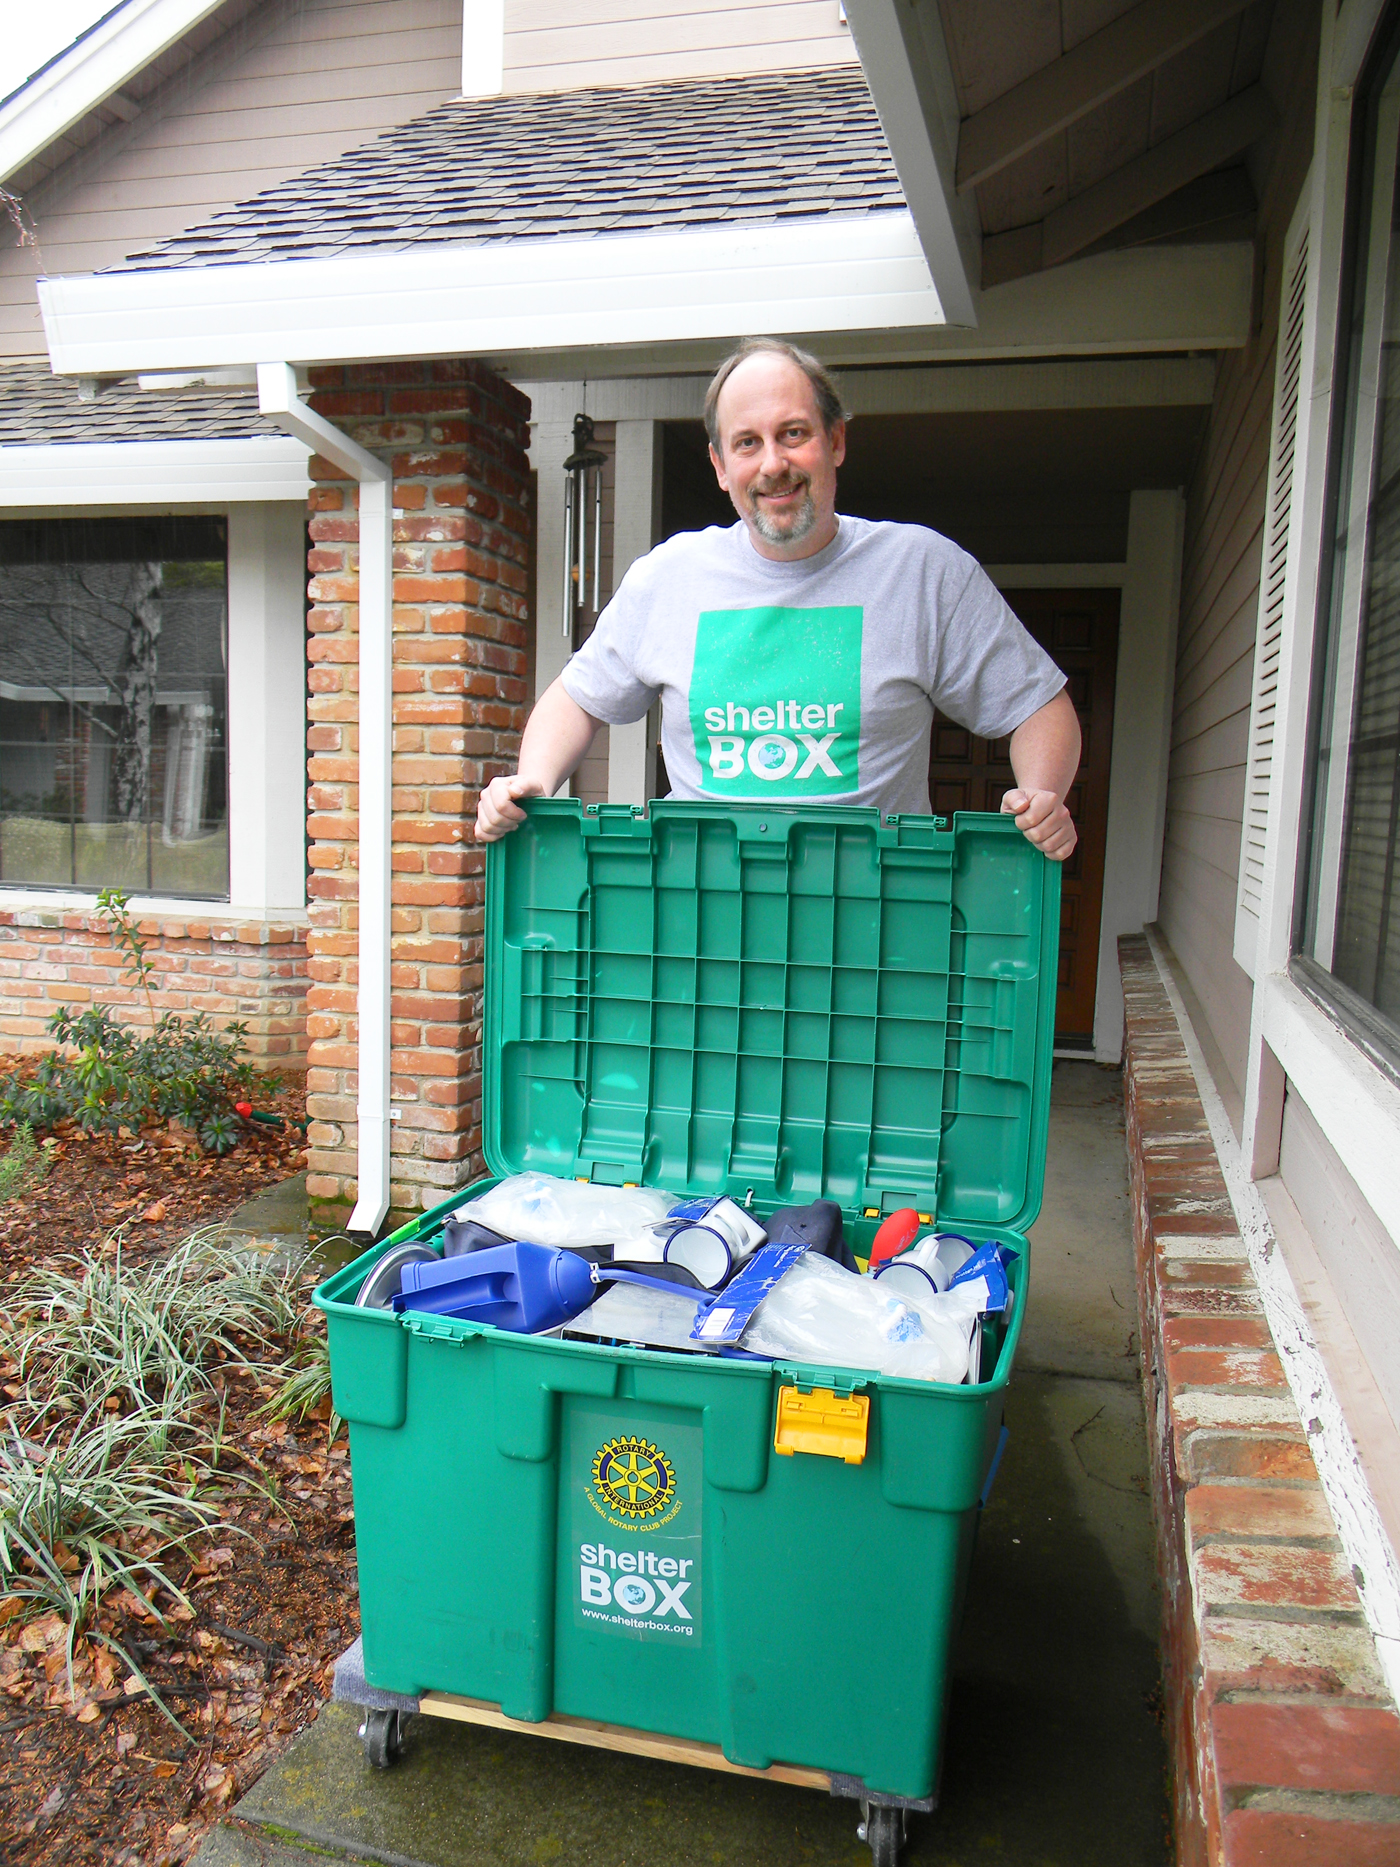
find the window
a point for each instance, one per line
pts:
(1348, 935)
(113, 705)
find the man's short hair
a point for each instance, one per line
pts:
(828, 396)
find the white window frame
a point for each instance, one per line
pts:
(1354, 1101)
(266, 687)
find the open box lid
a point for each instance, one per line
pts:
(788, 1003)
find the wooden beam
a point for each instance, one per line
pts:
(1097, 68)
(1150, 178)
(620, 1738)
(1222, 195)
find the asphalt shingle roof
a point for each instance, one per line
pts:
(644, 158)
(38, 409)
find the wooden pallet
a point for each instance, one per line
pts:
(616, 1737)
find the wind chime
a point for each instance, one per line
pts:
(583, 513)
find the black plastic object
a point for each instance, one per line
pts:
(647, 1271)
(459, 1236)
(819, 1227)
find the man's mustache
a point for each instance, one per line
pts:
(787, 483)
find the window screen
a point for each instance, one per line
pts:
(113, 705)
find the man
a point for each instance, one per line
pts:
(799, 655)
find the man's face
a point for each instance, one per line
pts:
(775, 459)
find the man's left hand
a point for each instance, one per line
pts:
(1045, 820)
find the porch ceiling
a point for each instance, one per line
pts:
(1081, 125)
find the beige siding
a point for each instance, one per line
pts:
(1219, 613)
(296, 84)
(553, 45)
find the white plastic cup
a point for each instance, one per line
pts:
(905, 1276)
(704, 1251)
(932, 1263)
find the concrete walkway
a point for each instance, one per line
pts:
(1055, 1757)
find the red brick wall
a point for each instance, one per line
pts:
(1285, 1743)
(456, 436)
(231, 969)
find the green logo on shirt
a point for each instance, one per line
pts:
(775, 701)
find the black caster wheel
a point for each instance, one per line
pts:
(883, 1830)
(383, 1733)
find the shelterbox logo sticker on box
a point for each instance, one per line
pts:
(775, 698)
(641, 1578)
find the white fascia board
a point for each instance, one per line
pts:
(905, 60)
(862, 273)
(78, 80)
(145, 473)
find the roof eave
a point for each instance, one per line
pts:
(905, 60)
(828, 274)
(106, 57)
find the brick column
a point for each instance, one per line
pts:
(1284, 1742)
(456, 436)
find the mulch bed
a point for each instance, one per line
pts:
(100, 1775)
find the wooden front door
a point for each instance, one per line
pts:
(1080, 629)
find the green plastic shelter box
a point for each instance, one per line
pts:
(780, 1005)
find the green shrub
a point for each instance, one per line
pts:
(22, 1165)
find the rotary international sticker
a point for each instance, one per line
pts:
(634, 1478)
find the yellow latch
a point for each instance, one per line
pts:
(831, 1425)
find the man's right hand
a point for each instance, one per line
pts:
(497, 812)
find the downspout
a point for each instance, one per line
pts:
(279, 402)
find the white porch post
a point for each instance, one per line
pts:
(551, 443)
(636, 528)
(1137, 786)
(266, 705)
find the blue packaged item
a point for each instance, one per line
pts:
(523, 1288)
(989, 1264)
(727, 1317)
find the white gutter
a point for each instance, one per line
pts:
(835, 273)
(140, 473)
(278, 400)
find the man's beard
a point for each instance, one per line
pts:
(789, 531)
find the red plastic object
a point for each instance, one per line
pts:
(245, 1109)
(897, 1231)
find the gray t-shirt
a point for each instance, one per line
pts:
(810, 680)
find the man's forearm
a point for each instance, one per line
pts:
(557, 736)
(1045, 748)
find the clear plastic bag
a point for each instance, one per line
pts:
(629, 1313)
(537, 1209)
(821, 1313)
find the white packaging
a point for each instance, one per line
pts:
(632, 1313)
(537, 1209)
(822, 1313)
(929, 1266)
